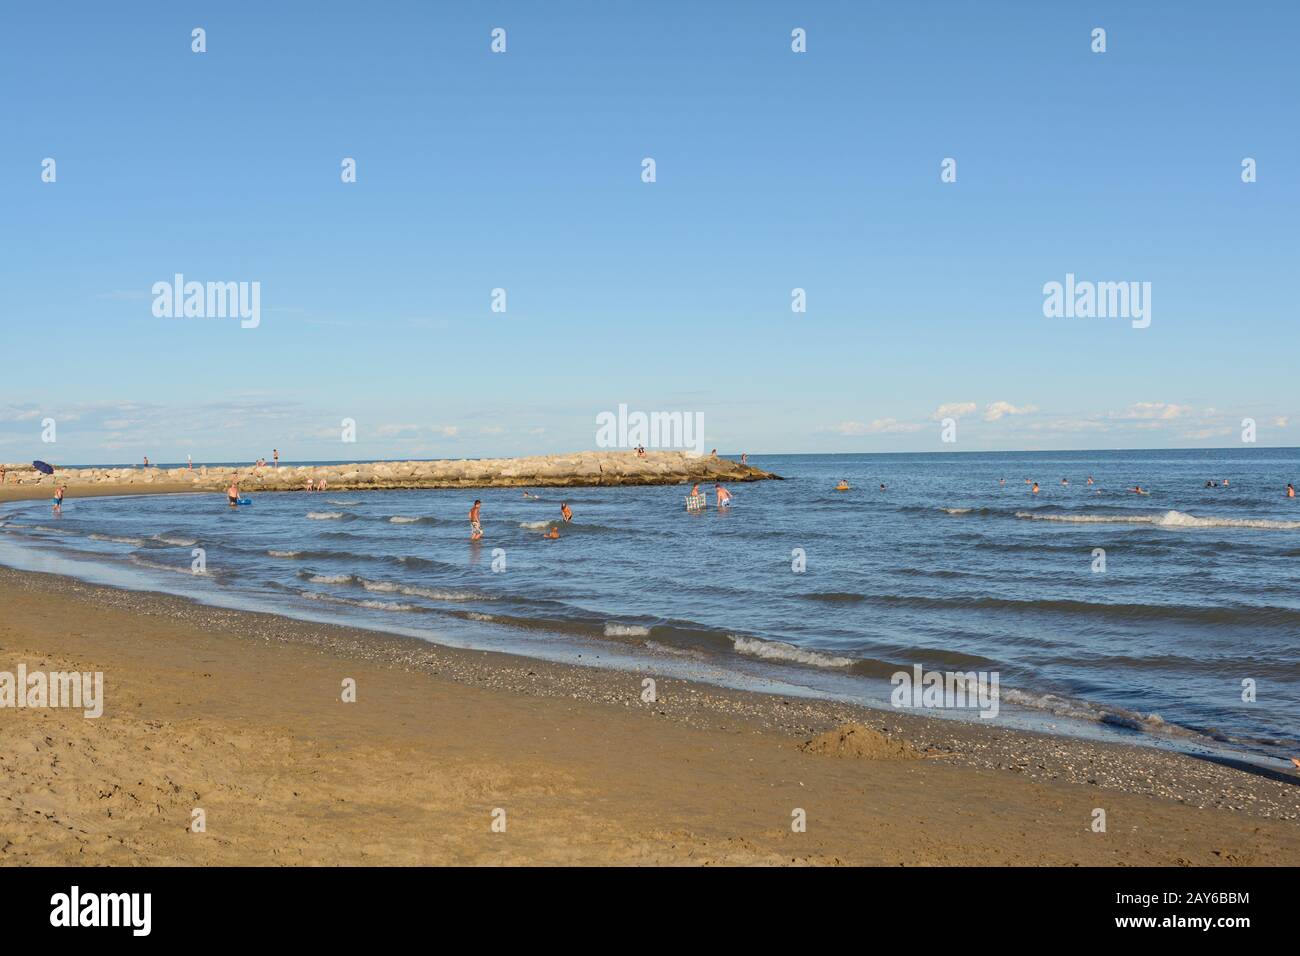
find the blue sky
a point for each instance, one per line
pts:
(522, 171)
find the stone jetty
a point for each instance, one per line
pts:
(587, 468)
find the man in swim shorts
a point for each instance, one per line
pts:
(724, 496)
(233, 491)
(476, 529)
(58, 500)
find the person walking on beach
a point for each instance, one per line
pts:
(476, 529)
(233, 491)
(566, 511)
(58, 500)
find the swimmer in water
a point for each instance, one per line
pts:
(553, 533)
(1137, 490)
(476, 529)
(1225, 482)
(58, 500)
(1065, 481)
(233, 491)
(1290, 490)
(843, 485)
(882, 486)
(566, 511)
(1034, 489)
(1090, 479)
(724, 496)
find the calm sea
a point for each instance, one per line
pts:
(1194, 601)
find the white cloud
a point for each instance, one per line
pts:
(1161, 411)
(995, 410)
(954, 410)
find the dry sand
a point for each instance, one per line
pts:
(241, 715)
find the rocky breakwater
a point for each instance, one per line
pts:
(560, 471)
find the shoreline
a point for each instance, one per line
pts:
(699, 748)
(736, 676)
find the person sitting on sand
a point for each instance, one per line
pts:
(843, 485)
(566, 511)
(58, 500)
(476, 529)
(233, 491)
(724, 496)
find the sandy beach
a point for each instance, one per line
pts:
(241, 715)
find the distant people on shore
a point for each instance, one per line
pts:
(320, 485)
(275, 453)
(640, 451)
(475, 529)
(146, 461)
(744, 458)
(309, 485)
(2, 474)
(189, 463)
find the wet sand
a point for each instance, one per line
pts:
(241, 715)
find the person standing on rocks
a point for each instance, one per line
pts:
(476, 529)
(275, 456)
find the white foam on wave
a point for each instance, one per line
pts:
(177, 542)
(284, 554)
(402, 519)
(626, 630)
(535, 525)
(336, 501)
(118, 539)
(777, 651)
(330, 578)
(475, 616)
(956, 511)
(433, 594)
(324, 515)
(1169, 519)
